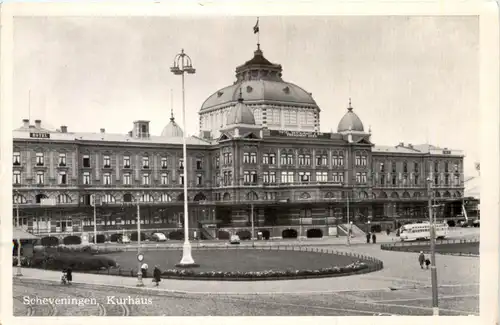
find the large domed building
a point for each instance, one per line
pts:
(275, 103)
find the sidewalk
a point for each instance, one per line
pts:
(401, 270)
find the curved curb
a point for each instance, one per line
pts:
(402, 247)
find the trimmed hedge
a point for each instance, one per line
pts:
(244, 234)
(72, 240)
(176, 235)
(343, 270)
(77, 261)
(289, 233)
(50, 241)
(133, 236)
(223, 235)
(314, 233)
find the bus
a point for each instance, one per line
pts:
(421, 231)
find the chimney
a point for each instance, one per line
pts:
(64, 129)
(401, 144)
(130, 133)
(103, 130)
(26, 123)
(38, 124)
(410, 146)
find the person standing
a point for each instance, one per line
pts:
(374, 238)
(368, 235)
(144, 270)
(69, 275)
(421, 259)
(157, 275)
(427, 263)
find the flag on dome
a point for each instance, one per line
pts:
(256, 27)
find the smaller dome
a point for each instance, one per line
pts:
(350, 121)
(172, 129)
(240, 114)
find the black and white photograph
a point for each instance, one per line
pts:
(244, 165)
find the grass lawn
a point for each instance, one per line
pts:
(235, 260)
(464, 248)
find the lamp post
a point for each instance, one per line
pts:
(94, 203)
(18, 273)
(139, 255)
(253, 226)
(435, 308)
(348, 223)
(182, 64)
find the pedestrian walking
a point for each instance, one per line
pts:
(388, 230)
(368, 235)
(157, 275)
(427, 263)
(374, 238)
(144, 270)
(69, 275)
(421, 259)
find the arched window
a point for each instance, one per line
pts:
(305, 196)
(252, 196)
(40, 197)
(200, 197)
(19, 199)
(165, 198)
(394, 195)
(63, 198)
(406, 195)
(226, 197)
(127, 197)
(416, 194)
(108, 198)
(383, 195)
(146, 197)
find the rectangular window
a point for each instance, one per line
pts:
(199, 163)
(16, 158)
(253, 158)
(62, 178)
(304, 176)
(40, 177)
(126, 161)
(405, 180)
(382, 179)
(164, 179)
(455, 168)
(199, 179)
(272, 159)
(86, 161)
(16, 177)
(415, 179)
(393, 166)
(446, 180)
(394, 180)
(436, 167)
(364, 160)
(405, 167)
(382, 167)
(246, 177)
(446, 167)
(338, 159)
(322, 160)
(338, 177)
(289, 159)
(361, 178)
(283, 159)
(321, 176)
(39, 159)
(126, 179)
(145, 162)
(284, 177)
(436, 180)
(62, 160)
(246, 157)
(181, 179)
(107, 178)
(86, 178)
(163, 163)
(106, 162)
(146, 179)
(416, 168)
(265, 159)
(456, 180)
(181, 163)
(217, 162)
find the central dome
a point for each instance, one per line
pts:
(261, 81)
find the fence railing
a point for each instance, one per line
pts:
(425, 246)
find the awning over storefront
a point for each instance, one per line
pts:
(24, 235)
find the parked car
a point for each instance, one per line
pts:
(158, 236)
(235, 239)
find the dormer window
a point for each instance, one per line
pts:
(219, 93)
(286, 90)
(249, 89)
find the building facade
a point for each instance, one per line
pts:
(299, 179)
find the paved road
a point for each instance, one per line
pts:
(458, 300)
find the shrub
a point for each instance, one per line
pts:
(133, 236)
(244, 234)
(115, 237)
(100, 238)
(50, 241)
(176, 235)
(77, 261)
(289, 233)
(224, 235)
(72, 240)
(314, 233)
(348, 269)
(451, 223)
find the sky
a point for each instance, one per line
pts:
(411, 79)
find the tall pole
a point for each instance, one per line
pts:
(348, 223)
(182, 65)
(139, 273)
(18, 241)
(253, 228)
(95, 221)
(435, 307)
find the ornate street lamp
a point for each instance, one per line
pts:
(432, 229)
(182, 65)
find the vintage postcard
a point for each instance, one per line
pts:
(209, 159)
